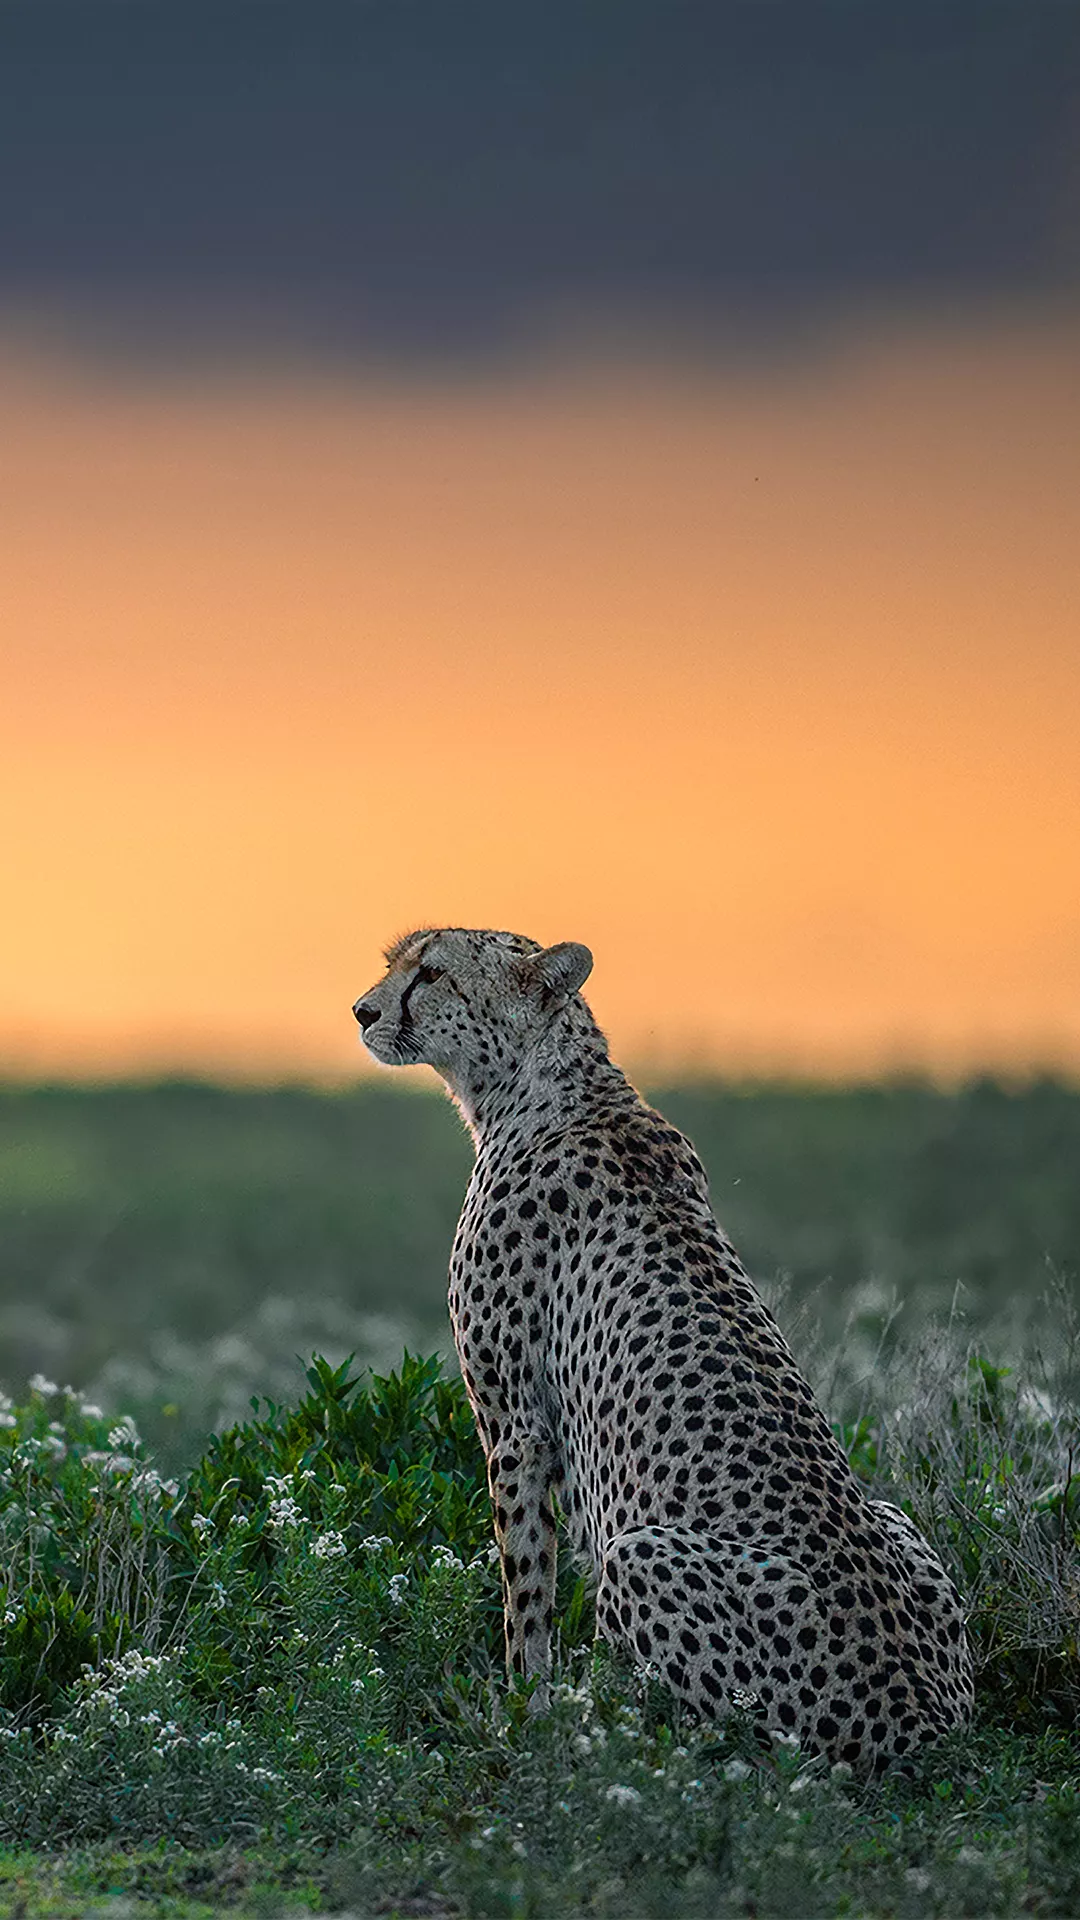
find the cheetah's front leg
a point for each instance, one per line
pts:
(520, 1473)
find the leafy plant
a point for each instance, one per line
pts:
(47, 1642)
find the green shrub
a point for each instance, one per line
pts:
(304, 1640)
(401, 1458)
(47, 1642)
(85, 1558)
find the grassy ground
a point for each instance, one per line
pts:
(998, 1834)
(276, 1684)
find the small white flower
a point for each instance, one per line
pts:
(125, 1435)
(788, 1740)
(8, 1420)
(623, 1796)
(398, 1585)
(39, 1384)
(573, 1696)
(89, 1411)
(375, 1543)
(736, 1770)
(134, 1665)
(445, 1560)
(328, 1546)
(284, 1513)
(202, 1524)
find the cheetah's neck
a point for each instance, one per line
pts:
(560, 1081)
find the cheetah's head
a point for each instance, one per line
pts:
(469, 1003)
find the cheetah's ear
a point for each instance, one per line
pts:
(562, 969)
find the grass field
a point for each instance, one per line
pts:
(262, 1670)
(181, 1245)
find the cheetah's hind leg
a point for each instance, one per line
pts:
(726, 1624)
(940, 1624)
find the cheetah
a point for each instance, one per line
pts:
(619, 1360)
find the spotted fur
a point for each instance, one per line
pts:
(619, 1360)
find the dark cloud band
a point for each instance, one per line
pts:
(419, 178)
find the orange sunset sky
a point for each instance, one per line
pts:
(761, 677)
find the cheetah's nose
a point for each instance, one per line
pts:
(366, 1015)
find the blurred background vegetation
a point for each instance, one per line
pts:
(173, 1249)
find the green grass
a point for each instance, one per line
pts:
(178, 1246)
(999, 1834)
(274, 1681)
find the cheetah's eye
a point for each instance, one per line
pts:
(427, 974)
